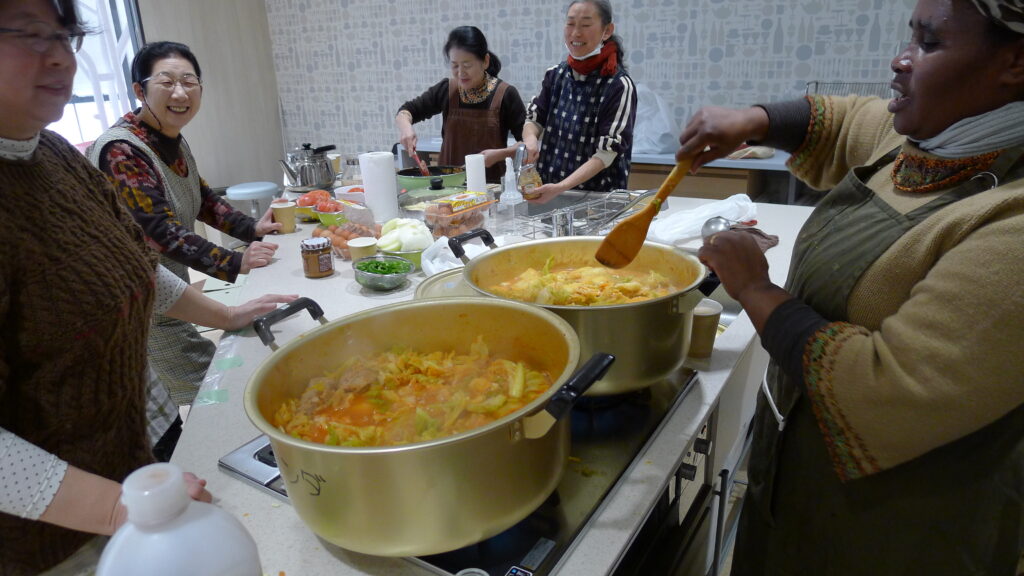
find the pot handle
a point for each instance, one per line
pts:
(711, 281)
(580, 381)
(537, 425)
(456, 243)
(263, 323)
(323, 149)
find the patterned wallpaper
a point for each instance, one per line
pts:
(345, 66)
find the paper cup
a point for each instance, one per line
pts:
(705, 328)
(335, 162)
(285, 212)
(362, 247)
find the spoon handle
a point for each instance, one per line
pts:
(670, 183)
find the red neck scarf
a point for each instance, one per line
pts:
(607, 60)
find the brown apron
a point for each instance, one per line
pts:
(473, 130)
(955, 510)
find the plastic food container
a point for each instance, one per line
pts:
(457, 213)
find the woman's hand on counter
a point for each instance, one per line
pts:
(266, 224)
(715, 132)
(240, 316)
(257, 255)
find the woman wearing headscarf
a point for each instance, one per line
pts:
(478, 109)
(896, 342)
(579, 129)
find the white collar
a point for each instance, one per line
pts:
(18, 149)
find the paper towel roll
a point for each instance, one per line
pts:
(380, 184)
(476, 173)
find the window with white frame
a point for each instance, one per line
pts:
(103, 89)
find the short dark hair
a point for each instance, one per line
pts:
(472, 40)
(150, 54)
(67, 16)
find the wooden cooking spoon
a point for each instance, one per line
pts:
(623, 243)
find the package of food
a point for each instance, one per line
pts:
(340, 235)
(457, 213)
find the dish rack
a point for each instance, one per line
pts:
(586, 214)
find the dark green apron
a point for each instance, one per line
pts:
(956, 510)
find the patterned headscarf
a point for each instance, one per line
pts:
(1007, 13)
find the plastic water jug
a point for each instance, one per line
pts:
(169, 534)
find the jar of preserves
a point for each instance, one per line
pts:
(317, 257)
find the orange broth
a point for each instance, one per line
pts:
(405, 396)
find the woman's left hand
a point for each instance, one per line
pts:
(738, 261)
(546, 193)
(242, 315)
(266, 224)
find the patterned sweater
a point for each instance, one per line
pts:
(73, 341)
(583, 116)
(931, 349)
(136, 177)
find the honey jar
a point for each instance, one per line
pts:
(317, 258)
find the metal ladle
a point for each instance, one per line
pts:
(714, 225)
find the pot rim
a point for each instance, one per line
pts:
(415, 172)
(475, 262)
(275, 434)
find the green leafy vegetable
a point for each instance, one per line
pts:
(383, 267)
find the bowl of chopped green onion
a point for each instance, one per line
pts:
(382, 272)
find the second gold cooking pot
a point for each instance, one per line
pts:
(436, 496)
(649, 339)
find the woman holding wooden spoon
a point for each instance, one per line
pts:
(900, 447)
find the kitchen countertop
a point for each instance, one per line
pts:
(775, 163)
(217, 423)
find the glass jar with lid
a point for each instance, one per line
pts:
(317, 257)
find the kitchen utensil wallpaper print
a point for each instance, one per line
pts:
(345, 66)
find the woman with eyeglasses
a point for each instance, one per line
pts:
(149, 162)
(897, 373)
(78, 286)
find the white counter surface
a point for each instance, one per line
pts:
(217, 423)
(776, 163)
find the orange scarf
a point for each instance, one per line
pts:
(607, 60)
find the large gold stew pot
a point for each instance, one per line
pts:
(428, 497)
(649, 339)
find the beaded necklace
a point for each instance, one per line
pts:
(478, 95)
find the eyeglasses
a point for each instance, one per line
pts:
(39, 36)
(163, 80)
